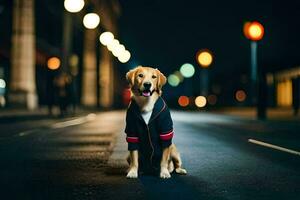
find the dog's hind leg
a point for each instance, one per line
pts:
(175, 156)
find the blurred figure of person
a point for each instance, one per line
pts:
(62, 83)
(296, 94)
(72, 94)
(50, 94)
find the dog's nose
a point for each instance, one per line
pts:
(147, 85)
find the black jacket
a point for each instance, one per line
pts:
(149, 139)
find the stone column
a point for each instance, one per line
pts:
(106, 79)
(89, 79)
(22, 82)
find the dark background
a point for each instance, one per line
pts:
(166, 34)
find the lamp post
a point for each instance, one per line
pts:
(254, 31)
(71, 6)
(204, 58)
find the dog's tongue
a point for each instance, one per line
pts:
(146, 94)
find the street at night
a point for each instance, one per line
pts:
(149, 99)
(54, 159)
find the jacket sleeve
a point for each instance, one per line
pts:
(131, 135)
(166, 128)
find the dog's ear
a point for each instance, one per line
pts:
(130, 76)
(161, 80)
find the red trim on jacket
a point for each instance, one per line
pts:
(167, 136)
(132, 139)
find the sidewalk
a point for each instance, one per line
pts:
(21, 114)
(273, 114)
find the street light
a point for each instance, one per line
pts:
(74, 6)
(91, 20)
(204, 58)
(254, 31)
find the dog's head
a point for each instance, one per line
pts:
(144, 81)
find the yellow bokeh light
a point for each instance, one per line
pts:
(204, 58)
(200, 101)
(53, 63)
(254, 30)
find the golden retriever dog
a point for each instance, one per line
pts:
(149, 126)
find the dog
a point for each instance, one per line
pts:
(149, 126)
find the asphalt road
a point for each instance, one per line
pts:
(67, 159)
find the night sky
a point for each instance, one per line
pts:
(166, 34)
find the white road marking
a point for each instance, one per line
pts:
(73, 122)
(272, 146)
(28, 132)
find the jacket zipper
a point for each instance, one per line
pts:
(150, 141)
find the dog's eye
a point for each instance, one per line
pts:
(154, 76)
(141, 75)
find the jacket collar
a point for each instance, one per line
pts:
(159, 106)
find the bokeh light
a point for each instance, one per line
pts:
(187, 70)
(91, 20)
(124, 57)
(179, 75)
(106, 38)
(204, 58)
(53, 63)
(2, 83)
(200, 101)
(240, 95)
(212, 99)
(254, 30)
(183, 101)
(118, 50)
(74, 6)
(113, 44)
(173, 80)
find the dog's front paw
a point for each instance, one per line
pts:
(133, 173)
(180, 171)
(164, 173)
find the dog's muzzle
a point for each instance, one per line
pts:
(146, 93)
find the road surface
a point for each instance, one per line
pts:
(67, 159)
